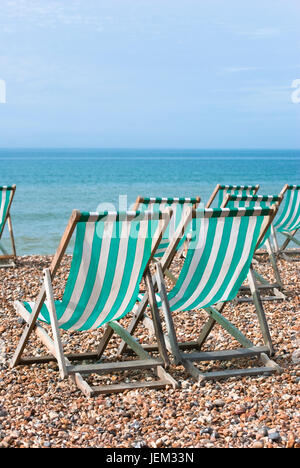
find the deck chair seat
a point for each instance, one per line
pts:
(218, 261)
(6, 198)
(112, 253)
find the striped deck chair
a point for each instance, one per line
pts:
(218, 261)
(111, 255)
(179, 206)
(288, 221)
(221, 191)
(6, 198)
(265, 201)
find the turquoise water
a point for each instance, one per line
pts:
(51, 183)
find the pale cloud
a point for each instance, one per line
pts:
(50, 13)
(259, 33)
(256, 98)
(240, 69)
(264, 97)
(263, 32)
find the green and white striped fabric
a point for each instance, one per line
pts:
(239, 201)
(289, 219)
(110, 255)
(219, 256)
(179, 207)
(6, 195)
(263, 201)
(244, 190)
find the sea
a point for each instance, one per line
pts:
(52, 182)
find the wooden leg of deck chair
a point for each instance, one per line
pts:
(10, 228)
(260, 311)
(168, 315)
(156, 319)
(274, 240)
(273, 263)
(59, 352)
(290, 238)
(208, 326)
(286, 253)
(52, 348)
(138, 316)
(104, 341)
(30, 324)
(228, 326)
(168, 274)
(262, 285)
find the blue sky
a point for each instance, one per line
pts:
(150, 73)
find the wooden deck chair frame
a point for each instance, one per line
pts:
(181, 350)
(262, 284)
(290, 237)
(240, 188)
(64, 361)
(152, 200)
(7, 260)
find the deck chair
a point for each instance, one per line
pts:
(6, 198)
(221, 191)
(218, 261)
(288, 221)
(111, 256)
(179, 207)
(265, 201)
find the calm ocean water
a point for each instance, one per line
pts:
(51, 183)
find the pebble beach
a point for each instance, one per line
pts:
(39, 410)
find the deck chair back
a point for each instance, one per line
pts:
(287, 222)
(111, 253)
(265, 246)
(264, 201)
(221, 191)
(179, 207)
(219, 256)
(289, 219)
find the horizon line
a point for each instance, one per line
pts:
(116, 148)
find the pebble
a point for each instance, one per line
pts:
(38, 409)
(274, 436)
(296, 356)
(258, 445)
(263, 431)
(219, 403)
